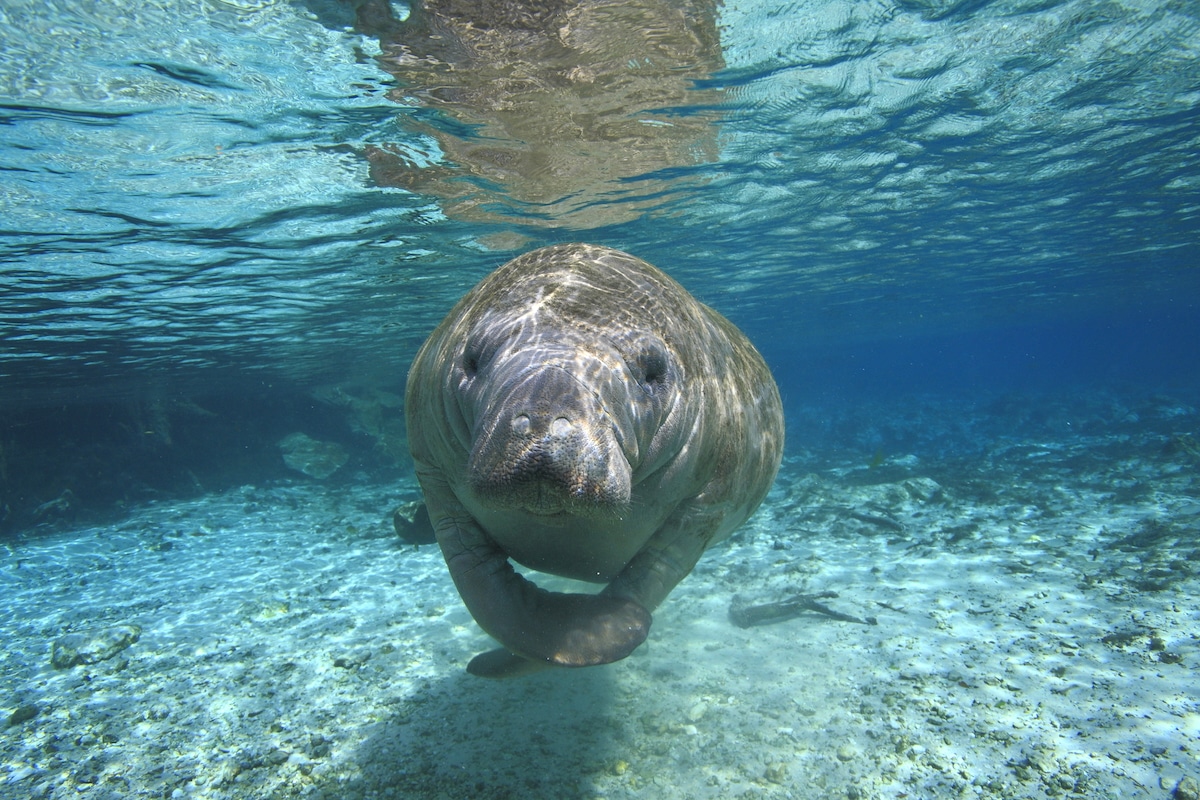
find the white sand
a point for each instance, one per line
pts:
(291, 647)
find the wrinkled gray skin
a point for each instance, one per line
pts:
(580, 413)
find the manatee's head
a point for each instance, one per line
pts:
(562, 421)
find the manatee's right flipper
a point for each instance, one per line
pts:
(668, 557)
(554, 628)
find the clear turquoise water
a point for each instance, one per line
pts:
(964, 235)
(186, 194)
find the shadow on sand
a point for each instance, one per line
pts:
(547, 735)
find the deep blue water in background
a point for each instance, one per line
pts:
(897, 200)
(1151, 350)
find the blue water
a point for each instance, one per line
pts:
(965, 235)
(235, 211)
(186, 197)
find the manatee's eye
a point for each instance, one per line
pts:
(481, 348)
(472, 356)
(652, 368)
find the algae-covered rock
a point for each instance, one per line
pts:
(22, 714)
(313, 457)
(90, 647)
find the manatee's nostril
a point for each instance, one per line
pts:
(560, 427)
(521, 425)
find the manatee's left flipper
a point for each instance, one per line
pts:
(668, 557)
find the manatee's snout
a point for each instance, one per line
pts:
(545, 444)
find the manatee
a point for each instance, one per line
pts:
(579, 413)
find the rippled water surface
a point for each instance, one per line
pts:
(199, 189)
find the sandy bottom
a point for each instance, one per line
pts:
(1037, 636)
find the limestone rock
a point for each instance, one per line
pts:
(90, 647)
